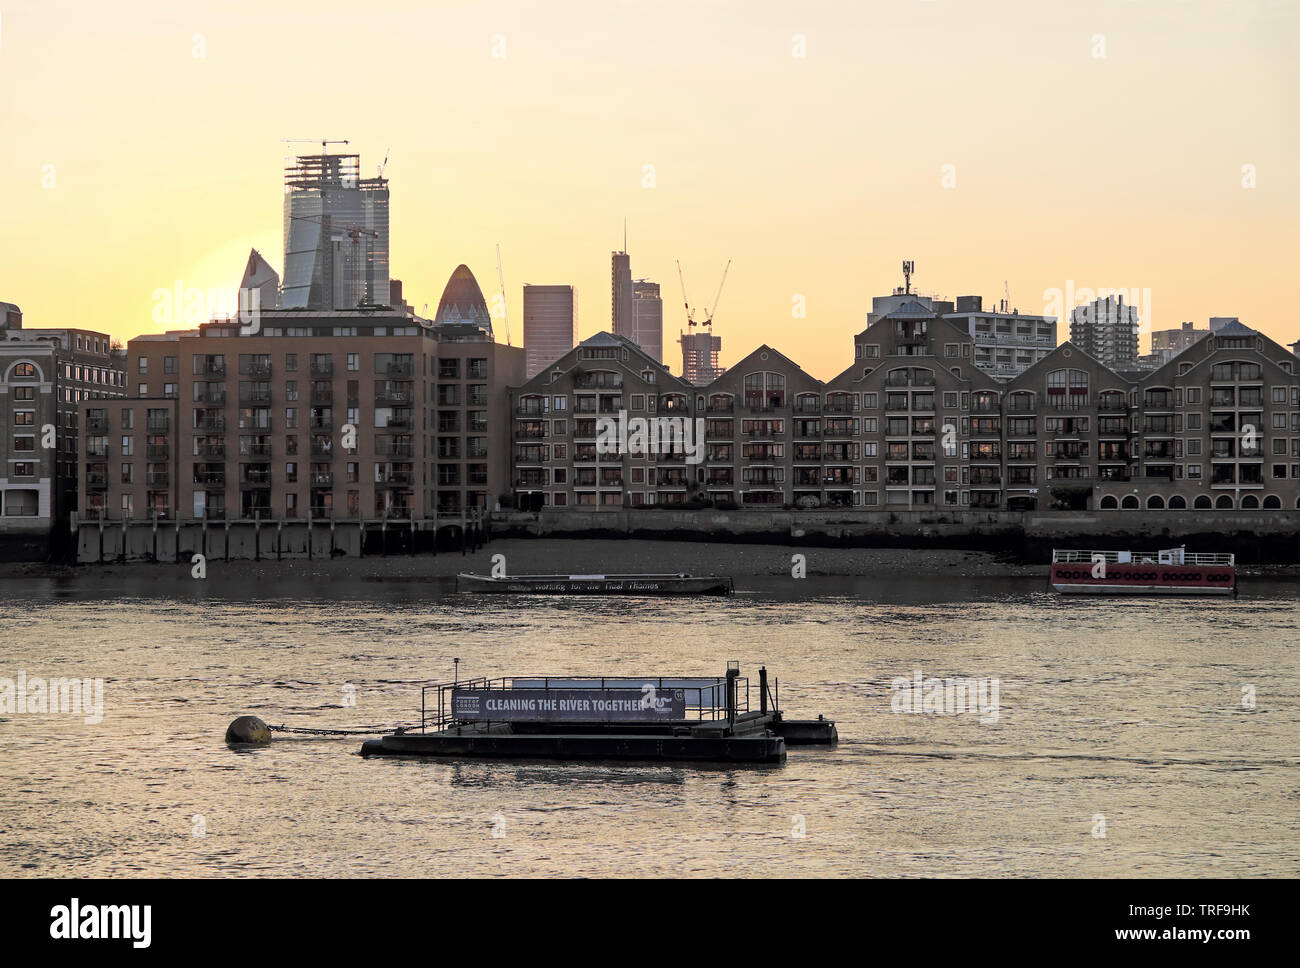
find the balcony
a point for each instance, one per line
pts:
(158, 479)
(211, 370)
(399, 479)
(322, 396)
(323, 368)
(257, 452)
(96, 425)
(215, 423)
(322, 449)
(97, 481)
(257, 369)
(320, 424)
(158, 451)
(210, 478)
(97, 450)
(255, 397)
(1061, 401)
(591, 381)
(392, 396)
(211, 397)
(217, 451)
(398, 371)
(386, 449)
(255, 479)
(322, 479)
(529, 411)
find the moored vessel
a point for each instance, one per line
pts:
(1170, 572)
(680, 584)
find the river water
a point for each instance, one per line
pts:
(1126, 740)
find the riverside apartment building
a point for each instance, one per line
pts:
(344, 414)
(914, 423)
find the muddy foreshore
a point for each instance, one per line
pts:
(599, 556)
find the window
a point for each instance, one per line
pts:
(354, 361)
(141, 366)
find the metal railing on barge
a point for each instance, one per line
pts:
(1173, 556)
(705, 697)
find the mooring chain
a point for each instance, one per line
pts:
(338, 732)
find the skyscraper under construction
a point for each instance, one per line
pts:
(335, 234)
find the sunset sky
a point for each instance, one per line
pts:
(127, 162)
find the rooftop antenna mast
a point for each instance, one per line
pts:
(908, 268)
(501, 278)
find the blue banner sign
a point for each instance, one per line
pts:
(646, 704)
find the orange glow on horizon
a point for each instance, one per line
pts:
(132, 163)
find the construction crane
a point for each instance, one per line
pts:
(1006, 296)
(385, 162)
(323, 142)
(690, 313)
(501, 278)
(709, 322)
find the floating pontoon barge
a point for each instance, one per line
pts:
(1170, 572)
(595, 584)
(706, 720)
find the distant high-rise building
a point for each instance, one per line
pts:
(335, 235)
(1218, 322)
(1168, 343)
(550, 325)
(648, 318)
(259, 277)
(1107, 329)
(621, 294)
(462, 302)
(1006, 342)
(700, 357)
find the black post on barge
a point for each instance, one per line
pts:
(733, 673)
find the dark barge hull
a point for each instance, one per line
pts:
(653, 585)
(1144, 579)
(755, 739)
(703, 749)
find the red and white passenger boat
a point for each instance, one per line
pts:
(1172, 572)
